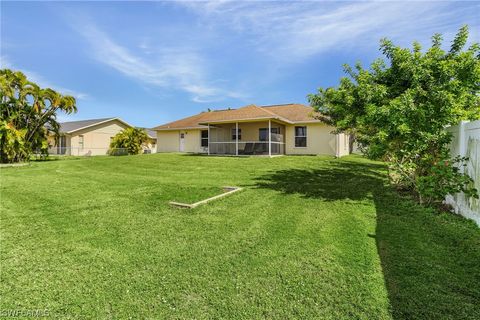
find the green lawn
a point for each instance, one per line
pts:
(309, 237)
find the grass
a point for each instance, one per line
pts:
(309, 237)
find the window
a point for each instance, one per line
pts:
(275, 134)
(62, 145)
(263, 133)
(300, 137)
(234, 136)
(80, 142)
(204, 138)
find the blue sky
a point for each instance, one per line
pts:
(154, 62)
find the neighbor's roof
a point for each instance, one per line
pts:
(289, 113)
(71, 126)
(152, 134)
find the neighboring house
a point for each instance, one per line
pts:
(151, 146)
(90, 137)
(252, 130)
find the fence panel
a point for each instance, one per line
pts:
(466, 143)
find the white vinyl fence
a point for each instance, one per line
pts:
(466, 143)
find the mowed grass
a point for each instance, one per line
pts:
(309, 237)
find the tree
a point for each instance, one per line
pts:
(27, 116)
(398, 111)
(129, 140)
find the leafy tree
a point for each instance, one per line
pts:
(129, 140)
(398, 110)
(27, 116)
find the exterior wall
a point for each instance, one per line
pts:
(96, 139)
(169, 141)
(320, 140)
(192, 141)
(466, 143)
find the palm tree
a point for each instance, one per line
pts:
(129, 140)
(26, 112)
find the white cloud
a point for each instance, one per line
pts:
(180, 69)
(296, 30)
(41, 81)
(62, 117)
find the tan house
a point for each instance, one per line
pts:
(91, 137)
(253, 130)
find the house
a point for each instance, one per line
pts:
(91, 137)
(253, 130)
(151, 146)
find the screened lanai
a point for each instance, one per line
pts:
(265, 137)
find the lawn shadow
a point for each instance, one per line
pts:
(356, 181)
(430, 261)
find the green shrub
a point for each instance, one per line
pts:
(398, 110)
(445, 177)
(128, 141)
(28, 115)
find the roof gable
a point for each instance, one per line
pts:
(73, 126)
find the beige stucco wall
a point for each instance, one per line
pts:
(320, 140)
(169, 141)
(192, 141)
(96, 139)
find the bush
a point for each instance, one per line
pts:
(398, 110)
(445, 177)
(128, 141)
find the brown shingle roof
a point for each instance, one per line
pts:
(291, 113)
